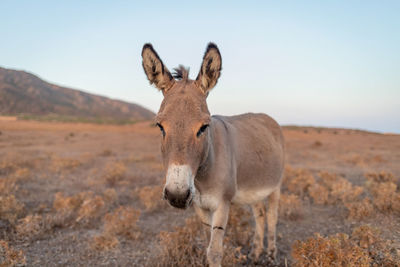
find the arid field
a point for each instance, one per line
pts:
(90, 195)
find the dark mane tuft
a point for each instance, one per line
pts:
(181, 73)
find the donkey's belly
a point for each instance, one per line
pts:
(252, 196)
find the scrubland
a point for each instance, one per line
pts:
(90, 195)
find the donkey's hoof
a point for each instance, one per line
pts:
(255, 254)
(271, 257)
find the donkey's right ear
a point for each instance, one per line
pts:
(155, 70)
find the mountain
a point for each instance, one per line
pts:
(25, 94)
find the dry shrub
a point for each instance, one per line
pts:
(7, 186)
(333, 189)
(91, 208)
(110, 195)
(104, 242)
(106, 153)
(381, 251)
(10, 208)
(114, 172)
(298, 181)
(83, 207)
(151, 197)
(319, 193)
(290, 207)
(381, 177)
(239, 229)
(384, 190)
(121, 222)
(335, 250)
(61, 164)
(360, 209)
(317, 144)
(186, 246)
(31, 226)
(10, 256)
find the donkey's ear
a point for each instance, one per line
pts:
(155, 70)
(210, 68)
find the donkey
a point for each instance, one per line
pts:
(213, 161)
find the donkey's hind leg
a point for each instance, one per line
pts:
(272, 219)
(259, 217)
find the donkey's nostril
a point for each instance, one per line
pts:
(165, 193)
(188, 194)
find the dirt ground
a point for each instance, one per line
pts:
(90, 195)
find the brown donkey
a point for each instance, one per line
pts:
(214, 161)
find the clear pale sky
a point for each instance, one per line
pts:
(321, 63)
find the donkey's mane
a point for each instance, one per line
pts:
(181, 73)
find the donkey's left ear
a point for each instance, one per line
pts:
(210, 68)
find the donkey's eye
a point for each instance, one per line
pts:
(161, 129)
(202, 129)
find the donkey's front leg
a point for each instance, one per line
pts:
(219, 221)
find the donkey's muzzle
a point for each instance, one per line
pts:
(178, 200)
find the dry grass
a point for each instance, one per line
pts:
(298, 181)
(114, 173)
(364, 247)
(64, 164)
(381, 252)
(186, 246)
(335, 250)
(83, 207)
(333, 189)
(121, 222)
(360, 210)
(290, 207)
(10, 208)
(10, 256)
(383, 187)
(32, 226)
(151, 197)
(104, 242)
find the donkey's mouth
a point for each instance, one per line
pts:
(179, 201)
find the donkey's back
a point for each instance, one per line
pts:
(258, 154)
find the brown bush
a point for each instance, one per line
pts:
(83, 207)
(360, 209)
(104, 242)
(186, 246)
(91, 208)
(319, 193)
(10, 208)
(32, 226)
(151, 197)
(110, 195)
(10, 256)
(298, 181)
(64, 164)
(333, 189)
(7, 186)
(381, 177)
(122, 222)
(106, 153)
(384, 190)
(114, 173)
(335, 250)
(290, 207)
(380, 251)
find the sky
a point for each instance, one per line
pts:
(316, 63)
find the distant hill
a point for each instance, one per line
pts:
(26, 95)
